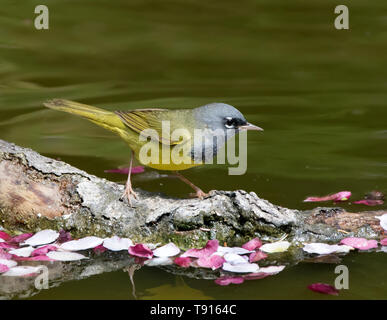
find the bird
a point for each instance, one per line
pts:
(214, 120)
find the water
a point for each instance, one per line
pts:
(319, 93)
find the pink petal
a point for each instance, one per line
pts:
(369, 202)
(340, 196)
(64, 236)
(209, 249)
(138, 169)
(5, 236)
(184, 262)
(323, 288)
(141, 250)
(383, 242)
(214, 262)
(43, 250)
(4, 245)
(99, 249)
(35, 258)
(360, 243)
(256, 256)
(5, 255)
(21, 238)
(3, 268)
(252, 244)
(225, 281)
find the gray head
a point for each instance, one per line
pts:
(222, 116)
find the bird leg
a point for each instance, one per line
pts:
(128, 192)
(199, 193)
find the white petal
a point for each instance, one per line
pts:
(22, 271)
(236, 250)
(234, 259)
(241, 268)
(383, 221)
(65, 256)
(272, 269)
(163, 261)
(8, 263)
(324, 248)
(2, 240)
(344, 248)
(117, 244)
(169, 250)
(22, 252)
(279, 246)
(42, 237)
(82, 244)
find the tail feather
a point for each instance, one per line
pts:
(104, 118)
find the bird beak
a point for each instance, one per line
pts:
(250, 126)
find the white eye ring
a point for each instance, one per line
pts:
(228, 126)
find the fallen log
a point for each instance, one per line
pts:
(37, 193)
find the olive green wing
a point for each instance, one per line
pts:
(142, 119)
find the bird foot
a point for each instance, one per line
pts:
(128, 193)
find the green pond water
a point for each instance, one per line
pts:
(319, 93)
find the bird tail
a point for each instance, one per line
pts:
(103, 118)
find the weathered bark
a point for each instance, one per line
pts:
(37, 193)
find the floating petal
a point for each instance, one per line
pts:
(209, 249)
(279, 246)
(237, 250)
(99, 249)
(360, 243)
(35, 258)
(225, 281)
(5, 236)
(369, 202)
(21, 237)
(168, 250)
(324, 248)
(65, 256)
(64, 236)
(252, 244)
(8, 263)
(141, 250)
(272, 269)
(44, 250)
(340, 196)
(383, 242)
(42, 237)
(117, 244)
(323, 288)
(82, 244)
(241, 268)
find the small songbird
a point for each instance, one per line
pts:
(215, 119)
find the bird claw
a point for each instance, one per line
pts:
(128, 193)
(200, 194)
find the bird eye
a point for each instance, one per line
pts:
(230, 123)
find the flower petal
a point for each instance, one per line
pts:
(21, 238)
(3, 268)
(339, 196)
(234, 259)
(272, 269)
(117, 244)
(5, 236)
(225, 281)
(22, 252)
(35, 258)
(279, 246)
(257, 255)
(22, 271)
(383, 221)
(168, 250)
(209, 249)
(360, 243)
(241, 268)
(141, 250)
(214, 262)
(82, 244)
(64, 236)
(183, 262)
(42, 237)
(323, 288)
(44, 250)
(237, 250)
(324, 248)
(65, 256)
(369, 202)
(8, 263)
(161, 261)
(252, 244)
(383, 242)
